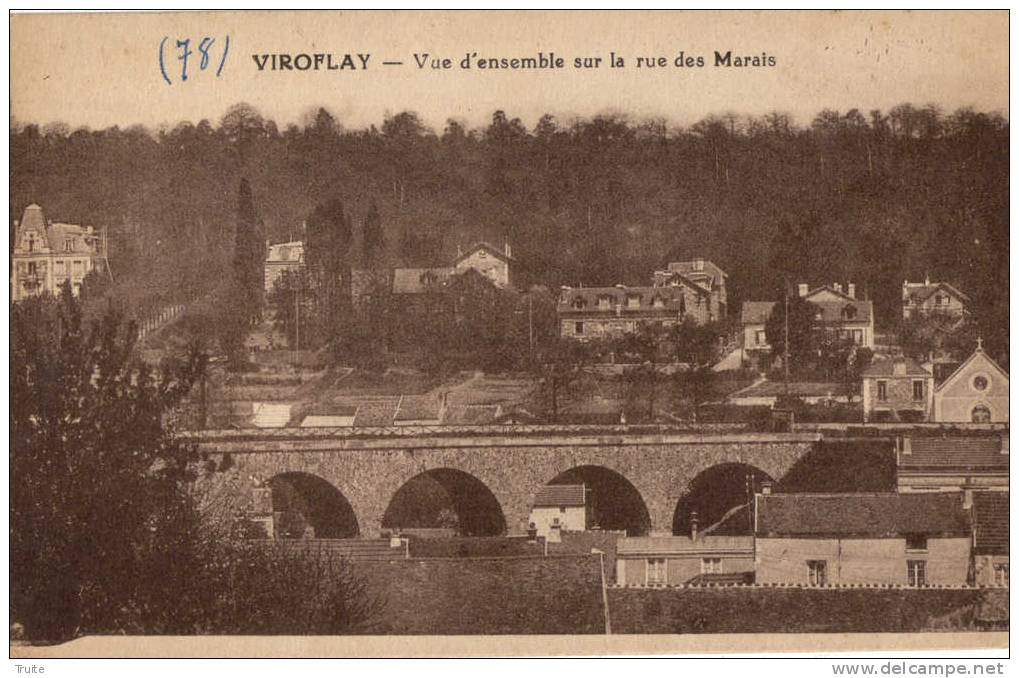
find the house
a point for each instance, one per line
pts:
(47, 254)
(492, 263)
(684, 559)
(951, 464)
(702, 273)
(284, 256)
(557, 508)
(976, 392)
(897, 389)
(587, 313)
(838, 313)
(926, 298)
(899, 539)
(990, 538)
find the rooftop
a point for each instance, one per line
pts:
(651, 546)
(990, 513)
(965, 452)
(419, 280)
(886, 368)
(860, 515)
(559, 495)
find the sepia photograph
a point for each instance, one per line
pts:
(508, 333)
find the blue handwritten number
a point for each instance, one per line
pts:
(183, 57)
(203, 47)
(184, 53)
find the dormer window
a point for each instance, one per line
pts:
(658, 302)
(284, 253)
(849, 312)
(69, 244)
(579, 303)
(604, 302)
(633, 301)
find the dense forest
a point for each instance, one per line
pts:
(873, 197)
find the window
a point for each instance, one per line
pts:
(939, 300)
(1001, 574)
(761, 338)
(69, 244)
(857, 337)
(916, 542)
(682, 304)
(658, 302)
(711, 565)
(849, 312)
(917, 389)
(817, 572)
(980, 383)
(562, 509)
(917, 571)
(882, 390)
(981, 415)
(79, 268)
(284, 253)
(31, 242)
(578, 328)
(656, 571)
(32, 268)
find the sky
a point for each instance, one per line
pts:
(99, 70)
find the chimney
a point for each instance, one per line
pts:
(967, 498)
(838, 287)
(851, 290)
(698, 264)
(506, 248)
(927, 278)
(693, 525)
(803, 288)
(766, 487)
(899, 367)
(459, 251)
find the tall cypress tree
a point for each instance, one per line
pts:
(373, 240)
(249, 253)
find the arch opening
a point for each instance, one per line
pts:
(721, 492)
(613, 503)
(447, 500)
(307, 506)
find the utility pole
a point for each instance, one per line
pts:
(530, 323)
(297, 318)
(785, 357)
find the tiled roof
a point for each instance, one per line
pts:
(757, 312)
(418, 408)
(632, 546)
(559, 495)
(967, 452)
(766, 389)
(55, 234)
(864, 515)
(376, 412)
(419, 280)
(990, 512)
(492, 249)
(690, 267)
(471, 414)
(920, 292)
(670, 297)
(886, 368)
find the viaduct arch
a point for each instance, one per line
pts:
(369, 471)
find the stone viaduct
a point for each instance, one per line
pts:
(368, 470)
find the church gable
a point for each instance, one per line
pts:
(978, 377)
